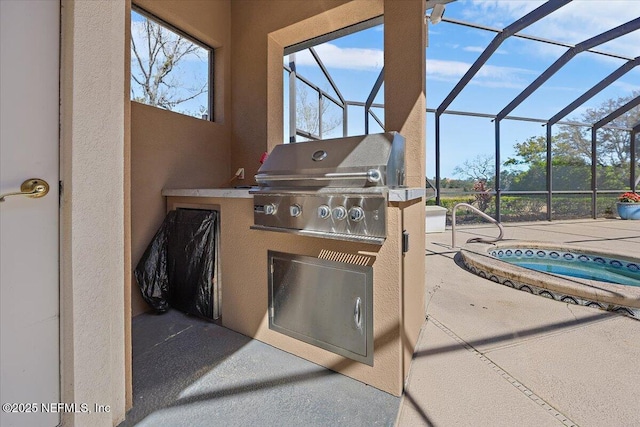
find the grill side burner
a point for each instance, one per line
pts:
(333, 188)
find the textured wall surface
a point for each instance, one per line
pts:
(92, 211)
(170, 150)
(404, 90)
(413, 278)
(404, 80)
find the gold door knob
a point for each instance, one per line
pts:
(33, 187)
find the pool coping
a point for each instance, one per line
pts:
(606, 296)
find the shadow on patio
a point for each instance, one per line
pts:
(487, 355)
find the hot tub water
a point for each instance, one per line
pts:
(585, 266)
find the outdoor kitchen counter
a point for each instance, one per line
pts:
(395, 194)
(398, 279)
(236, 193)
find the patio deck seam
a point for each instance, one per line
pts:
(525, 341)
(551, 410)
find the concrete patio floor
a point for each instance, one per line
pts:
(488, 355)
(491, 355)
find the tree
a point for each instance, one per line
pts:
(157, 53)
(612, 147)
(570, 171)
(308, 114)
(571, 153)
(480, 168)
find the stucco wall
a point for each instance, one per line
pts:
(405, 79)
(405, 103)
(413, 277)
(170, 150)
(92, 210)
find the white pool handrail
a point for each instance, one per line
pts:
(475, 239)
(430, 185)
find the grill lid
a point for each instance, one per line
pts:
(375, 160)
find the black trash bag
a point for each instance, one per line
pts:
(191, 261)
(151, 271)
(177, 267)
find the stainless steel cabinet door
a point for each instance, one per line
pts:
(325, 303)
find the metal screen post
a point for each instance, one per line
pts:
(634, 159)
(292, 98)
(497, 178)
(594, 172)
(549, 173)
(320, 114)
(600, 123)
(336, 90)
(437, 158)
(372, 96)
(345, 117)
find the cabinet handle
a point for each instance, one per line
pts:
(357, 313)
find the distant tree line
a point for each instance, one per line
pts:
(571, 157)
(571, 154)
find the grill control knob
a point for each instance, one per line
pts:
(339, 213)
(356, 214)
(270, 209)
(324, 211)
(295, 210)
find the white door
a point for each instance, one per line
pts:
(29, 260)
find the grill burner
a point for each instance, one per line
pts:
(334, 188)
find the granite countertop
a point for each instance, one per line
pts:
(395, 194)
(237, 193)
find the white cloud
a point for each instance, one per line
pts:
(498, 13)
(478, 49)
(573, 23)
(488, 76)
(344, 57)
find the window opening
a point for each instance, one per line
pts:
(332, 84)
(170, 69)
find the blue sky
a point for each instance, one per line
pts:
(355, 61)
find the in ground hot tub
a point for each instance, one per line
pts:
(570, 274)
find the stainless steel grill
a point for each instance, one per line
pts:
(335, 188)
